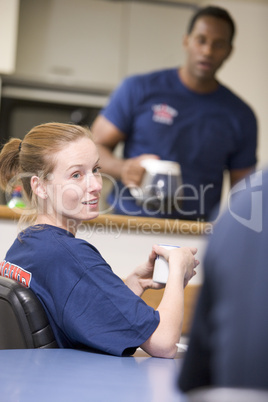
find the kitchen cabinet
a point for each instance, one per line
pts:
(70, 42)
(96, 43)
(9, 11)
(154, 36)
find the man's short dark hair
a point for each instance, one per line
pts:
(216, 12)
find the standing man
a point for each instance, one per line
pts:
(184, 115)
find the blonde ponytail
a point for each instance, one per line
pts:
(9, 162)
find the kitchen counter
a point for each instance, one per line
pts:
(136, 224)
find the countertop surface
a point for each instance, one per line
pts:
(148, 223)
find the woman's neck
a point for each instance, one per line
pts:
(69, 224)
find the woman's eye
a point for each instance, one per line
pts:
(96, 170)
(76, 175)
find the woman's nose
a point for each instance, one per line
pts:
(94, 182)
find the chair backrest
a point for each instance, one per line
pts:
(23, 321)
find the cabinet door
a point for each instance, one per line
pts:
(9, 10)
(97, 42)
(70, 42)
(155, 36)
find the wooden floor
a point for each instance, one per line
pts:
(153, 298)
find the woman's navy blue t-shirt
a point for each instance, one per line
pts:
(88, 306)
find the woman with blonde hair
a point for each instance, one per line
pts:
(88, 306)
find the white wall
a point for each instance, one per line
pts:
(246, 71)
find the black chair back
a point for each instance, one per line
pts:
(23, 321)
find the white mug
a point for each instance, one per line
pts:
(161, 181)
(161, 269)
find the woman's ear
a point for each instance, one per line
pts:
(38, 187)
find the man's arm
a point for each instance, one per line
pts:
(106, 136)
(238, 174)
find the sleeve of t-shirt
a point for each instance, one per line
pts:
(121, 107)
(103, 313)
(245, 155)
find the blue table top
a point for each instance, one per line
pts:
(48, 375)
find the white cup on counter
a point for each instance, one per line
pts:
(161, 268)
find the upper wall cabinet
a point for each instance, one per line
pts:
(9, 11)
(154, 36)
(70, 42)
(97, 42)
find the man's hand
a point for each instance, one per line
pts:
(132, 171)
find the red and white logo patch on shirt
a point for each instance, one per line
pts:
(15, 272)
(164, 114)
